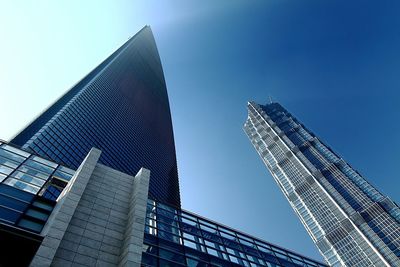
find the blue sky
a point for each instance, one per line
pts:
(333, 64)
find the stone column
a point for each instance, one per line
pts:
(131, 252)
(67, 202)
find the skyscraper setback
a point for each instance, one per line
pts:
(349, 220)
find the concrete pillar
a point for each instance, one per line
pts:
(67, 202)
(131, 252)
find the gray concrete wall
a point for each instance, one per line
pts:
(55, 228)
(131, 252)
(106, 226)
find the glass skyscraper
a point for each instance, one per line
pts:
(93, 181)
(349, 220)
(121, 108)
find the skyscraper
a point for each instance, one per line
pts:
(121, 108)
(349, 220)
(65, 202)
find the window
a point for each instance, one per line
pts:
(38, 166)
(43, 205)
(15, 150)
(22, 185)
(169, 237)
(45, 162)
(5, 170)
(151, 249)
(33, 172)
(148, 260)
(13, 203)
(53, 188)
(11, 156)
(195, 263)
(37, 215)
(212, 252)
(9, 215)
(169, 255)
(66, 170)
(191, 244)
(8, 162)
(15, 193)
(29, 179)
(62, 175)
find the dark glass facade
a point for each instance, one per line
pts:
(121, 108)
(351, 222)
(175, 237)
(29, 187)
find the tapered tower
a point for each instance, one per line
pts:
(349, 220)
(121, 108)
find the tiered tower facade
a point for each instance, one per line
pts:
(349, 220)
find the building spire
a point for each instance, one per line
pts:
(270, 99)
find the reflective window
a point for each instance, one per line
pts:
(191, 244)
(5, 170)
(168, 236)
(45, 162)
(33, 172)
(39, 166)
(62, 175)
(183, 238)
(8, 162)
(16, 151)
(2, 177)
(28, 178)
(11, 156)
(22, 185)
(52, 192)
(212, 252)
(67, 170)
(195, 263)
